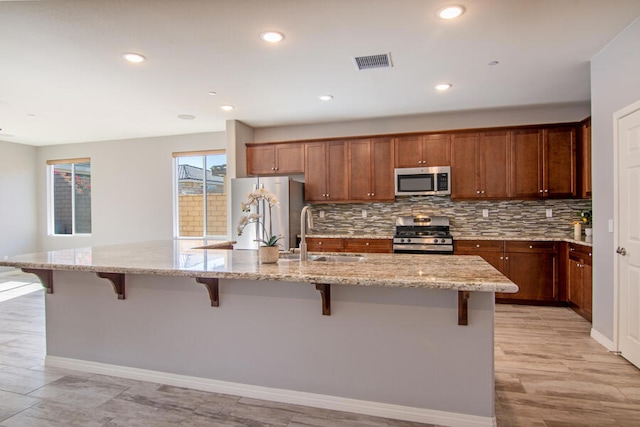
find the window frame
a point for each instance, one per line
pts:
(51, 226)
(176, 201)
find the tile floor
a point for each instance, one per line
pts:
(548, 373)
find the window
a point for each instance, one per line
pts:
(201, 199)
(70, 196)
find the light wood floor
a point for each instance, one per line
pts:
(549, 372)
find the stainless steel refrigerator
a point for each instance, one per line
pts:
(286, 218)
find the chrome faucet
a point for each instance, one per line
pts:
(306, 213)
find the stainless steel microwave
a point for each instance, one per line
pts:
(425, 181)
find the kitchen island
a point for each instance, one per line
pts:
(381, 335)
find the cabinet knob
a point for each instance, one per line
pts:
(478, 192)
(506, 257)
(589, 253)
(373, 194)
(477, 246)
(501, 258)
(482, 191)
(273, 169)
(319, 243)
(366, 244)
(276, 168)
(572, 249)
(541, 191)
(546, 191)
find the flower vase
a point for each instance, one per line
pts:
(268, 254)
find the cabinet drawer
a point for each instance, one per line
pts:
(483, 245)
(580, 253)
(315, 244)
(368, 245)
(529, 246)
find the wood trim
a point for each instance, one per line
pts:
(463, 308)
(67, 161)
(45, 276)
(423, 133)
(196, 153)
(325, 292)
(212, 285)
(117, 281)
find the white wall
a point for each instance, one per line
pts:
(615, 83)
(430, 122)
(132, 187)
(18, 224)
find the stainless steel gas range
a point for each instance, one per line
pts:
(422, 234)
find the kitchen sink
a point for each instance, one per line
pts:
(322, 258)
(336, 258)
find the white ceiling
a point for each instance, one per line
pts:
(62, 78)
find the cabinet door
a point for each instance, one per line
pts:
(360, 170)
(526, 163)
(382, 160)
(560, 162)
(585, 159)
(464, 166)
(534, 273)
(260, 160)
(316, 244)
(368, 245)
(494, 164)
(289, 158)
(574, 279)
(336, 172)
(436, 150)
(315, 171)
(587, 290)
(408, 152)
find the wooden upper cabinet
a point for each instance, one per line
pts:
(275, 159)
(371, 170)
(584, 159)
(560, 162)
(465, 170)
(526, 163)
(480, 165)
(325, 172)
(422, 150)
(543, 163)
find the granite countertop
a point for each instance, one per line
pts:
(181, 258)
(569, 239)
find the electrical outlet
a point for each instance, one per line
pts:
(485, 213)
(610, 226)
(364, 213)
(6, 257)
(321, 214)
(549, 213)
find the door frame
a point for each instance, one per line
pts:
(617, 116)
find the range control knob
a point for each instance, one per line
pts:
(442, 241)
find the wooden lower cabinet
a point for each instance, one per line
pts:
(382, 246)
(356, 244)
(532, 265)
(330, 244)
(579, 279)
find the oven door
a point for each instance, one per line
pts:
(423, 249)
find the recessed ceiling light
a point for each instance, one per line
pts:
(492, 63)
(272, 36)
(227, 107)
(326, 97)
(133, 57)
(211, 93)
(443, 86)
(186, 116)
(450, 12)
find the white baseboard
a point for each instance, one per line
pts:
(603, 341)
(385, 410)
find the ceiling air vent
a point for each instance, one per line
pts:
(382, 60)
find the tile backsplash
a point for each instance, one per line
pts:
(506, 217)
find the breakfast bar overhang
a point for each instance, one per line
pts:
(380, 336)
